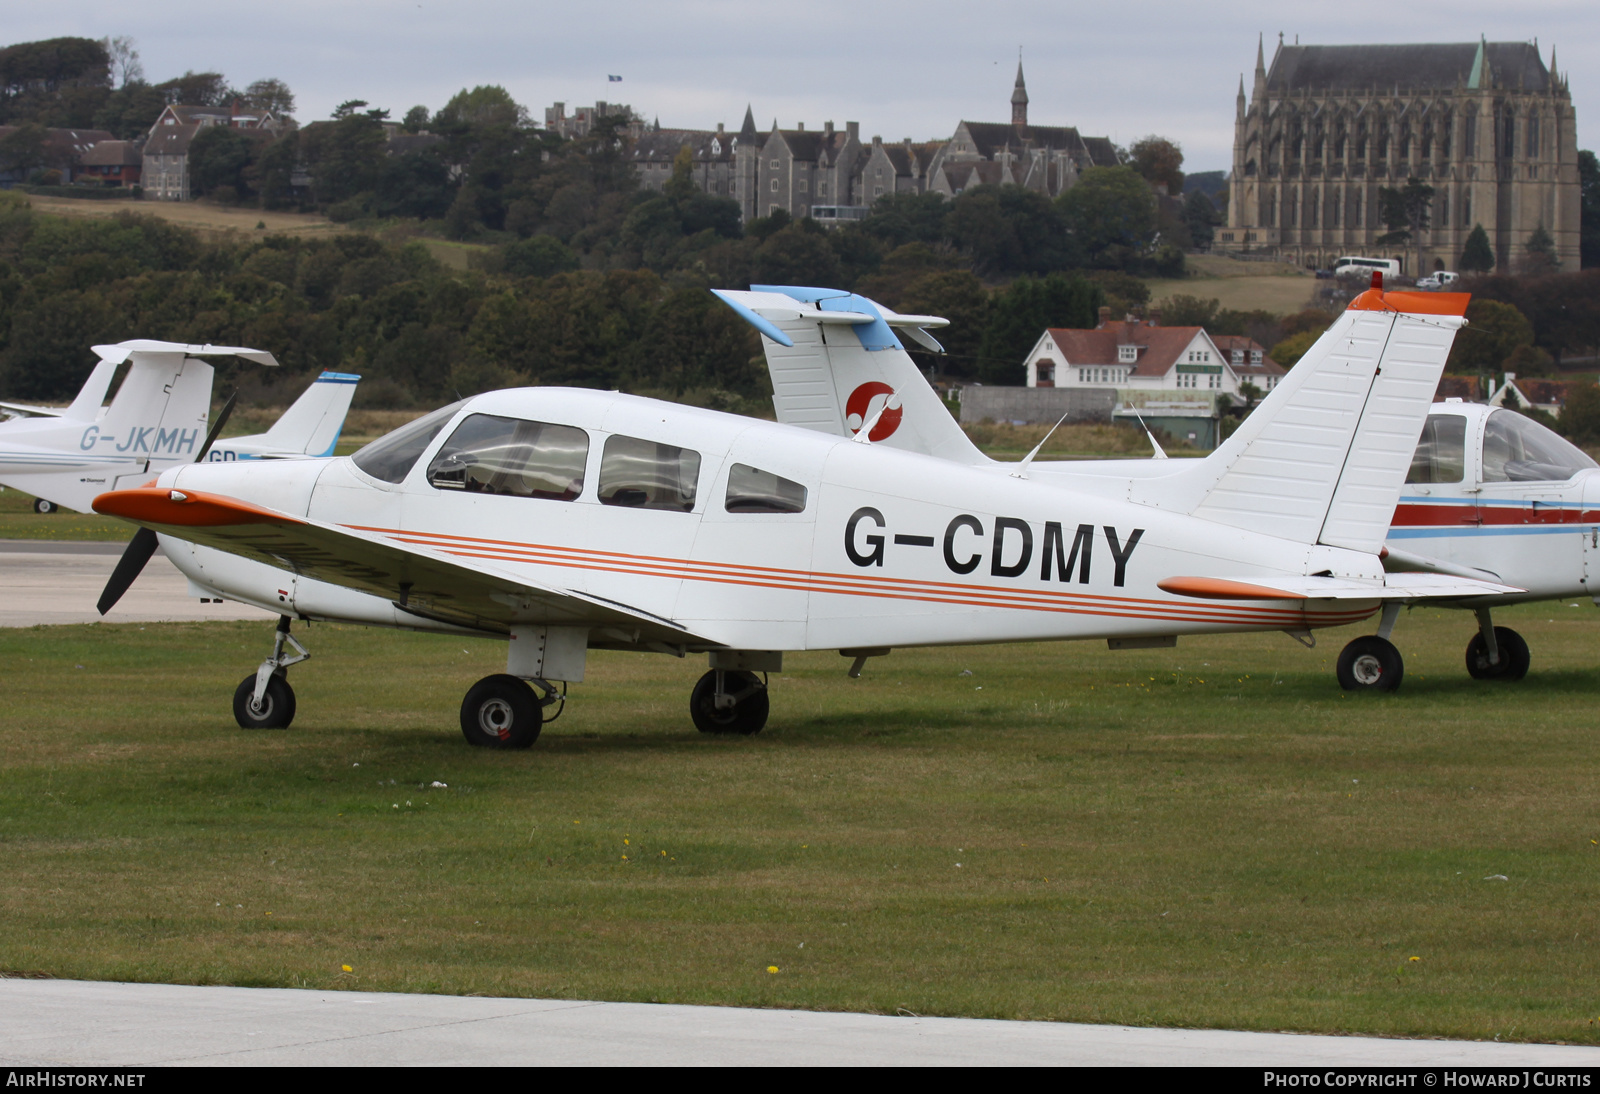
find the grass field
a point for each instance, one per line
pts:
(207, 217)
(1210, 836)
(1278, 287)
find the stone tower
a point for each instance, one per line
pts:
(1019, 99)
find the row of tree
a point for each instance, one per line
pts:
(87, 83)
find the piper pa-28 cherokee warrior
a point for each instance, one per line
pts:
(562, 520)
(156, 421)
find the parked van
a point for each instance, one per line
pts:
(1354, 264)
(1443, 279)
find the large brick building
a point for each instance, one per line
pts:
(1486, 124)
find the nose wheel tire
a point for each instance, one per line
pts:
(276, 709)
(1370, 664)
(40, 505)
(744, 707)
(1514, 656)
(501, 712)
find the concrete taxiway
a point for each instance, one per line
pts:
(43, 581)
(75, 1023)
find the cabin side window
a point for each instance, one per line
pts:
(488, 454)
(644, 474)
(751, 490)
(1519, 449)
(1441, 453)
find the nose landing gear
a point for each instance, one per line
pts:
(264, 700)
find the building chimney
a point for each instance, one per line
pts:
(1105, 317)
(877, 141)
(1155, 317)
(827, 129)
(799, 127)
(854, 130)
(720, 130)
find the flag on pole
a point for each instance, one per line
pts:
(614, 79)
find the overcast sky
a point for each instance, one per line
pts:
(901, 69)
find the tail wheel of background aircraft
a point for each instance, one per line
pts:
(739, 706)
(501, 712)
(40, 505)
(1370, 664)
(1514, 656)
(276, 709)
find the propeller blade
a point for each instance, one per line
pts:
(138, 552)
(216, 427)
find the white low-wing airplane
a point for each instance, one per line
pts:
(1493, 494)
(1490, 494)
(563, 520)
(157, 420)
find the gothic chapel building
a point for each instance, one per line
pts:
(1486, 124)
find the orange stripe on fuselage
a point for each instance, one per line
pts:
(863, 585)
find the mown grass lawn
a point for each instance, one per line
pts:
(1209, 836)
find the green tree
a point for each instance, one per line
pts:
(1008, 230)
(197, 89)
(218, 157)
(1111, 215)
(1160, 161)
(1589, 208)
(541, 256)
(1201, 218)
(23, 149)
(1406, 211)
(1476, 255)
(1020, 314)
(1540, 253)
(1580, 414)
(1181, 310)
(898, 219)
(1493, 332)
(272, 95)
(416, 119)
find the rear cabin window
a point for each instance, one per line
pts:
(751, 490)
(391, 457)
(488, 454)
(1519, 449)
(1441, 455)
(644, 474)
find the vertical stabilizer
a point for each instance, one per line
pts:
(1323, 458)
(834, 359)
(312, 424)
(159, 412)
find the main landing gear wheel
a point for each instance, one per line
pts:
(729, 701)
(274, 711)
(40, 505)
(1370, 664)
(501, 712)
(1514, 656)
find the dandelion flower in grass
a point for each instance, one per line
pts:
(773, 969)
(346, 968)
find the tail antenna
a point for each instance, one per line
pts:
(1159, 454)
(1022, 468)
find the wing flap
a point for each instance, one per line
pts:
(416, 579)
(1398, 586)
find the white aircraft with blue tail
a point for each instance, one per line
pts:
(157, 420)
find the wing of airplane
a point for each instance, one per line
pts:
(425, 582)
(1396, 586)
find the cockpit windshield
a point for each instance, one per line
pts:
(391, 457)
(1519, 449)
